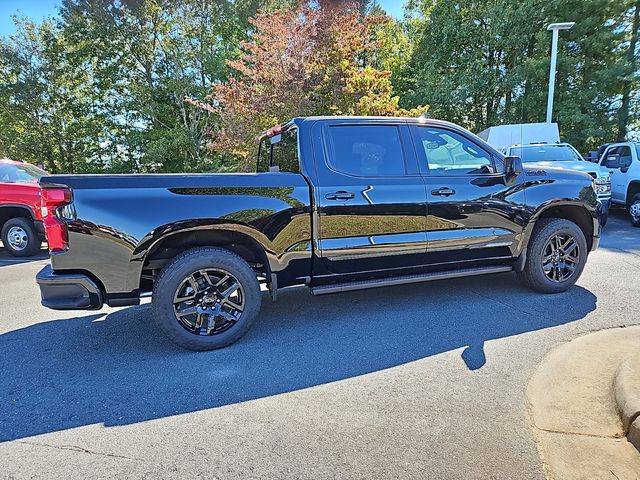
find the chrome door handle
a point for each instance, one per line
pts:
(339, 195)
(443, 192)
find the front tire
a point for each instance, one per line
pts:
(206, 298)
(556, 256)
(634, 210)
(20, 238)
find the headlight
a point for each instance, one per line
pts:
(602, 185)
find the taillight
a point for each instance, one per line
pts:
(54, 228)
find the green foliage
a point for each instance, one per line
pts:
(484, 63)
(307, 60)
(120, 86)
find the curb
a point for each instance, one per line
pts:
(626, 390)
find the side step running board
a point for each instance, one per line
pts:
(426, 277)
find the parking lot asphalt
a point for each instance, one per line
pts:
(418, 381)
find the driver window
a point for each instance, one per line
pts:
(448, 153)
(625, 156)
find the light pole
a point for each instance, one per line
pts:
(554, 27)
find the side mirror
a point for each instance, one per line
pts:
(612, 161)
(512, 166)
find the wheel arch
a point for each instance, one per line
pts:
(9, 211)
(574, 212)
(632, 190)
(162, 249)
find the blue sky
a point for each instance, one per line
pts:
(34, 9)
(39, 9)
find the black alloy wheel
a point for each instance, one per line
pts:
(561, 257)
(209, 302)
(206, 298)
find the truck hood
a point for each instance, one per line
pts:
(587, 167)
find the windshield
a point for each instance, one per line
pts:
(546, 153)
(23, 173)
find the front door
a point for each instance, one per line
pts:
(613, 166)
(371, 199)
(474, 212)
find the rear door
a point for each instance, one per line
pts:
(474, 213)
(371, 198)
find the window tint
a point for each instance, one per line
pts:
(285, 152)
(625, 155)
(625, 159)
(280, 151)
(448, 153)
(366, 150)
(264, 155)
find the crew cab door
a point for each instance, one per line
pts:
(618, 159)
(474, 212)
(371, 200)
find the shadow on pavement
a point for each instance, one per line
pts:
(619, 234)
(118, 369)
(7, 259)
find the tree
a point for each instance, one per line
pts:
(485, 63)
(47, 105)
(307, 60)
(630, 78)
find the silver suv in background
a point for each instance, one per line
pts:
(563, 155)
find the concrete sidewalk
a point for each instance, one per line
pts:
(626, 387)
(584, 400)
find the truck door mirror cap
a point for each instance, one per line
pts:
(612, 161)
(512, 166)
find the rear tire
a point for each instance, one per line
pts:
(198, 281)
(634, 210)
(556, 256)
(20, 238)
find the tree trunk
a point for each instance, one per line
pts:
(624, 112)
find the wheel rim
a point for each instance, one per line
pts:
(634, 210)
(560, 258)
(209, 302)
(17, 238)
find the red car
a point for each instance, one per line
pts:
(20, 217)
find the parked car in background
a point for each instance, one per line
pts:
(622, 161)
(539, 146)
(21, 224)
(563, 155)
(336, 204)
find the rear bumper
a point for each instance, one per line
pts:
(68, 291)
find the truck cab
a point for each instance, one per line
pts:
(21, 227)
(622, 161)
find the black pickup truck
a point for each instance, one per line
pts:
(337, 204)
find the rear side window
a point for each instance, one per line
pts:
(366, 150)
(280, 151)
